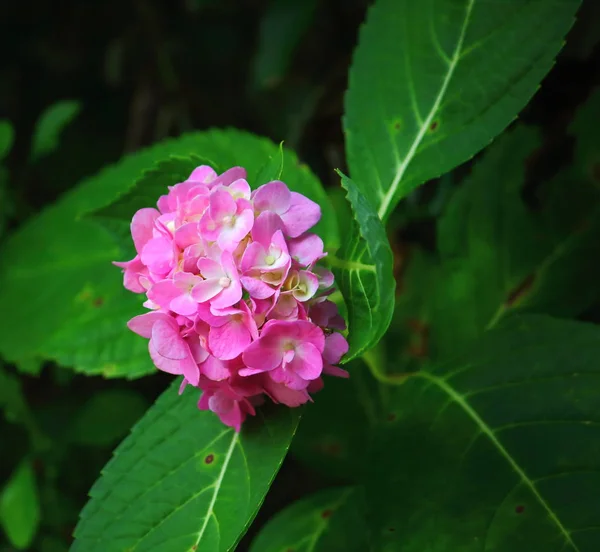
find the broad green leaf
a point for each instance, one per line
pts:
(50, 125)
(183, 481)
(7, 136)
(497, 450)
(281, 28)
(364, 273)
(107, 417)
(19, 507)
(433, 82)
(66, 300)
(328, 521)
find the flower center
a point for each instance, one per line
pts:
(269, 259)
(224, 282)
(229, 220)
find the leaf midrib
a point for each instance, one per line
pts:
(486, 430)
(389, 196)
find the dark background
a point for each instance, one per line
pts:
(144, 70)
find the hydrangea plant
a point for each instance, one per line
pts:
(464, 411)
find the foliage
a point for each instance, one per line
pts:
(464, 246)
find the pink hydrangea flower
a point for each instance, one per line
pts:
(238, 302)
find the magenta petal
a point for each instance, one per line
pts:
(273, 196)
(190, 370)
(264, 354)
(302, 215)
(229, 176)
(245, 372)
(307, 362)
(141, 227)
(229, 340)
(254, 255)
(257, 288)
(335, 371)
(281, 394)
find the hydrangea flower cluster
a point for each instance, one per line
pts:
(238, 304)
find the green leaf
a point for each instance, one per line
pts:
(271, 170)
(66, 300)
(107, 417)
(433, 82)
(497, 450)
(19, 507)
(364, 273)
(327, 521)
(50, 125)
(7, 136)
(183, 481)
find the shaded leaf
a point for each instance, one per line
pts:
(50, 125)
(433, 82)
(271, 170)
(19, 507)
(107, 417)
(504, 439)
(182, 480)
(327, 521)
(364, 273)
(7, 136)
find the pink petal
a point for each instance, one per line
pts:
(158, 256)
(253, 256)
(184, 304)
(210, 269)
(240, 188)
(230, 236)
(257, 288)
(264, 354)
(281, 394)
(229, 176)
(306, 249)
(215, 369)
(203, 174)
(336, 347)
(142, 324)
(187, 234)
(221, 205)
(163, 292)
(206, 290)
(273, 196)
(308, 285)
(228, 296)
(335, 371)
(229, 340)
(307, 362)
(265, 225)
(167, 341)
(141, 227)
(302, 215)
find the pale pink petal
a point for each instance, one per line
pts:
(273, 196)
(239, 189)
(232, 234)
(308, 285)
(301, 215)
(206, 290)
(254, 256)
(228, 296)
(165, 364)
(210, 268)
